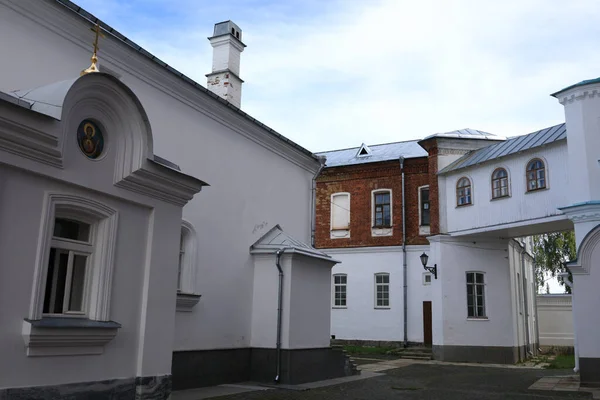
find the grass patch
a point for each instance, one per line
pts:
(562, 362)
(366, 350)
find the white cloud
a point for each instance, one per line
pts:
(336, 74)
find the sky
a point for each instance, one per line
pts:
(332, 74)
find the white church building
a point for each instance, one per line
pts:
(154, 237)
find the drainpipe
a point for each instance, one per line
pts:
(279, 310)
(565, 278)
(525, 301)
(404, 269)
(313, 200)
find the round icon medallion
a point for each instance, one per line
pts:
(90, 139)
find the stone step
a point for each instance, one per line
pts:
(415, 356)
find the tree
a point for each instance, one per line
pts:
(551, 251)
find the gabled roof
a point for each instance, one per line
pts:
(378, 153)
(466, 133)
(511, 146)
(276, 239)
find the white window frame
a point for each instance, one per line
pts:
(187, 296)
(103, 221)
(484, 284)
(425, 276)
(382, 231)
(339, 232)
(388, 306)
(72, 248)
(345, 285)
(424, 229)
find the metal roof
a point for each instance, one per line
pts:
(377, 153)
(466, 133)
(582, 83)
(276, 239)
(116, 34)
(511, 146)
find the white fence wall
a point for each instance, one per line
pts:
(555, 316)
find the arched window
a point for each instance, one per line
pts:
(499, 183)
(463, 192)
(536, 175)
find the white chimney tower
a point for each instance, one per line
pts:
(224, 80)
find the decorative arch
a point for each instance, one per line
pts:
(121, 112)
(586, 249)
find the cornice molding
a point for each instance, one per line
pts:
(579, 93)
(29, 142)
(449, 151)
(585, 212)
(66, 24)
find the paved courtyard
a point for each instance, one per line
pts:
(431, 381)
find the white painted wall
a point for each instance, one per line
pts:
(556, 319)
(454, 258)
(520, 206)
(256, 180)
(360, 319)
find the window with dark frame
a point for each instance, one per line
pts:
(425, 206)
(499, 183)
(536, 175)
(181, 259)
(70, 250)
(475, 295)
(382, 210)
(463, 192)
(339, 290)
(382, 290)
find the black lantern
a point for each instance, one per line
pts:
(424, 258)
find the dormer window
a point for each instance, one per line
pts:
(363, 151)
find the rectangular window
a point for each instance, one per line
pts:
(340, 211)
(424, 197)
(181, 260)
(339, 290)
(382, 290)
(475, 295)
(383, 214)
(67, 268)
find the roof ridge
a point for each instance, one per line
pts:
(369, 145)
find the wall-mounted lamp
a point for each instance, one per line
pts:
(424, 258)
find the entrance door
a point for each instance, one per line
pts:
(427, 321)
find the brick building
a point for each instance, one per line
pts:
(381, 292)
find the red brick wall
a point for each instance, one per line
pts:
(434, 191)
(359, 181)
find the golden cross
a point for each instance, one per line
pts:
(96, 29)
(94, 66)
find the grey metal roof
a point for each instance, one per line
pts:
(276, 239)
(510, 146)
(46, 99)
(466, 133)
(116, 34)
(378, 153)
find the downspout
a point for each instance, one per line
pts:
(313, 200)
(279, 311)
(404, 269)
(565, 278)
(525, 302)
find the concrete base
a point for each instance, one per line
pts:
(373, 343)
(141, 388)
(589, 372)
(195, 369)
(478, 354)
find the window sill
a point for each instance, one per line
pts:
(382, 308)
(187, 301)
(339, 234)
(382, 231)
(463, 205)
(424, 230)
(478, 319)
(500, 198)
(536, 190)
(339, 307)
(62, 336)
